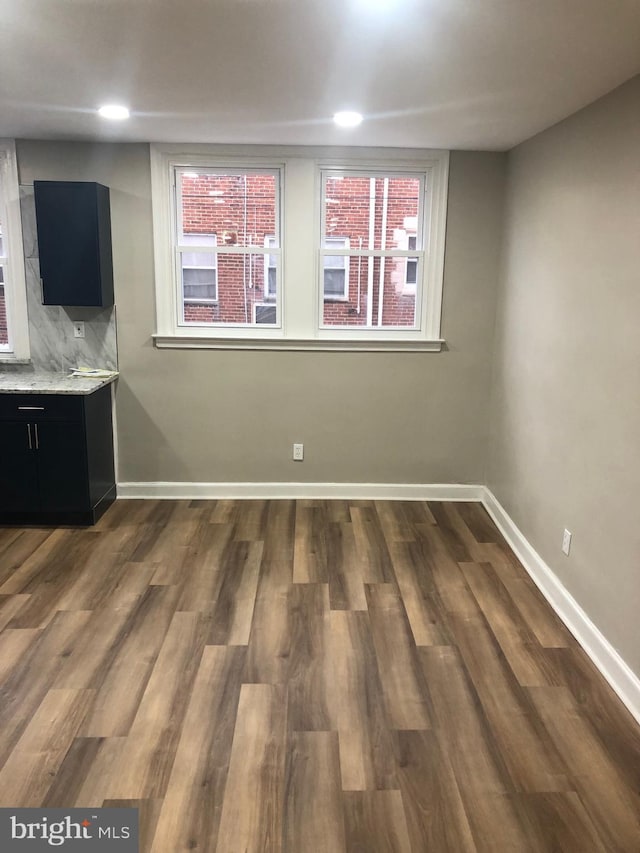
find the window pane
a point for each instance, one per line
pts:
(382, 301)
(371, 211)
(197, 259)
(199, 284)
(270, 267)
(335, 269)
(199, 240)
(239, 209)
(236, 282)
(334, 281)
(271, 280)
(392, 290)
(353, 310)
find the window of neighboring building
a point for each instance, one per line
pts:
(14, 332)
(270, 270)
(411, 271)
(272, 247)
(199, 272)
(335, 276)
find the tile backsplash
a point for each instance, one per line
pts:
(53, 345)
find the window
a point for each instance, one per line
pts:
(14, 333)
(199, 272)
(411, 271)
(373, 208)
(270, 270)
(272, 248)
(336, 270)
(225, 235)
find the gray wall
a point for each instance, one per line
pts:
(186, 415)
(565, 448)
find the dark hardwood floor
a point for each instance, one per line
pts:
(306, 676)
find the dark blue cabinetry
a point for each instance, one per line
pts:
(73, 221)
(56, 458)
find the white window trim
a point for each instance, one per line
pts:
(15, 287)
(299, 258)
(344, 296)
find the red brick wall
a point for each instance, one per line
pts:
(246, 220)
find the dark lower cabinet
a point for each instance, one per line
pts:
(19, 491)
(56, 458)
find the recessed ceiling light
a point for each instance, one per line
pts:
(114, 112)
(347, 118)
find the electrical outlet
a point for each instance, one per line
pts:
(298, 452)
(78, 329)
(566, 541)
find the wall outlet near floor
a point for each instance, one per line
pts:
(566, 541)
(78, 329)
(298, 452)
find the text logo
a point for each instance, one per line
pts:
(72, 830)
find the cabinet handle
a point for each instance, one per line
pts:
(29, 434)
(31, 408)
(35, 429)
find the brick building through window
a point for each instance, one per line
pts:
(227, 223)
(236, 211)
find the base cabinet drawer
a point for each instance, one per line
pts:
(56, 469)
(43, 407)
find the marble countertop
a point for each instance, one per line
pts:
(50, 383)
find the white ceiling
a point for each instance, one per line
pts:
(481, 74)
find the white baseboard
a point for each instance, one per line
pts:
(344, 491)
(621, 678)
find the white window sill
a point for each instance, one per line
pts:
(291, 344)
(11, 359)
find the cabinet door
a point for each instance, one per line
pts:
(74, 242)
(62, 466)
(18, 471)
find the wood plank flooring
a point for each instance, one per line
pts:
(306, 676)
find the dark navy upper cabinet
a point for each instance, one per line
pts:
(74, 242)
